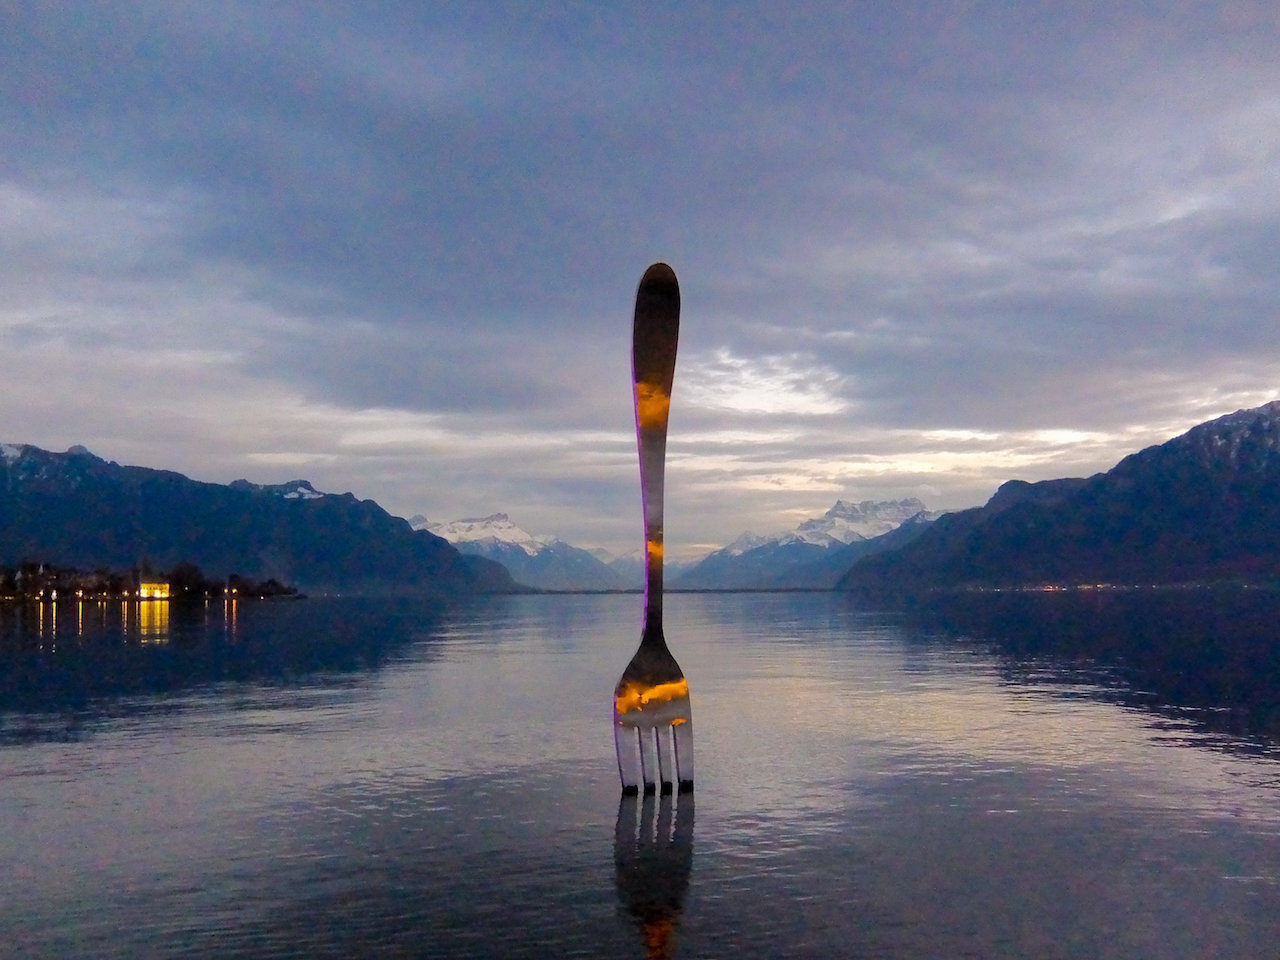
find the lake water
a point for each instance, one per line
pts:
(351, 778)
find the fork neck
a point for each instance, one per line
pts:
(652, 453)
(653, 589)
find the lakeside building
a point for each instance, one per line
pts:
(151, 589)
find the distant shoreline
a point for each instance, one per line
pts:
(966, 590)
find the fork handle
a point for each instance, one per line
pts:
(653, 367)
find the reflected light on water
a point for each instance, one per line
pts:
(153, 621)
(230, 616)
(146, 621)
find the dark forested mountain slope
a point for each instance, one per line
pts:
(1203, 506)
(78, 510)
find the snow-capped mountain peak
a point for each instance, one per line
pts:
(547, 563)
(292, 490)
(811, 555)
(497, 527)
(846, 521)
(747, 541)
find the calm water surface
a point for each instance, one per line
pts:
(342, 778)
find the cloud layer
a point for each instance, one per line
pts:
(392, 248)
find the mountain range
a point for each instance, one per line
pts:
(77, 510)
(543, 563)
(815, 554)
(1204, 506)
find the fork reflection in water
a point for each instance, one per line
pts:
(653, 856)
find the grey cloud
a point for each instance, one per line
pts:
(452, 368)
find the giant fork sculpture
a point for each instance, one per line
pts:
(652, 722)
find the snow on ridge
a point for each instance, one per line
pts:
(1253, 434)
(496, 527)
(303, 492)
(1232, 423)
(846, 522)
(748, 541)
(10, 452)
(291, 490)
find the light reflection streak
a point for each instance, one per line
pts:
(52, 623)
(654, 549)
(153, 621)
(653, 404)
(636, 696)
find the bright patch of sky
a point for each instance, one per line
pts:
(763, 385)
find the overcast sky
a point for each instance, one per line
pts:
(392, 248)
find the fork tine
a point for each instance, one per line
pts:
(648, 760)
(666, 761)
(683, 736)
(625, 738)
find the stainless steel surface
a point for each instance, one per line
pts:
(652, 720)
